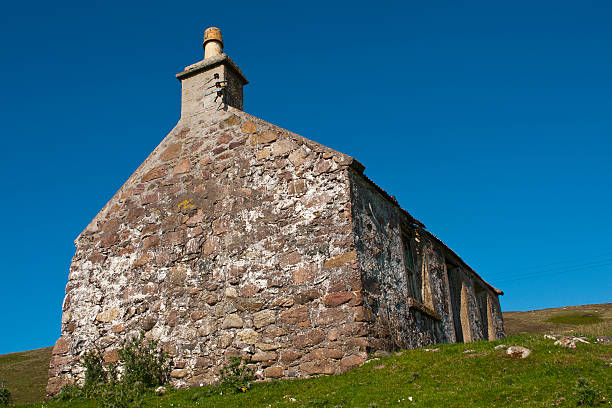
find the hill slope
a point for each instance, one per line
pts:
(585, 319)
(25, 374)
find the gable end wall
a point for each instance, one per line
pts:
(233, 238)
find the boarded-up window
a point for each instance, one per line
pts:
(408, 256)
(410, 267)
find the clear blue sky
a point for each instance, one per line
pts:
(492, 124)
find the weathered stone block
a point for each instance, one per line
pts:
(264, 356)
(248, 336)
(206, 329)
(336, 299)
(342, 259)
(148, 323)
(249, 127)
(203, 362)
(295, 315)
(179, 373)
(297, 187)
(274, 372)
(264, 318)
(289, 356)
(298, 157)
(111, 356)
(172, 152)
(232, 321)
(329, 316)
(303, 274)
(62, 346)
(266, 137)
(118, 328)
(197, 218)
(231, 293)
(325, 353)
(182, 167)
(157, 172)
(274, 331)
(268, 346)
(307, 296)
(108, 315)
(289, 258)
(249, 290)
(309, 339)
(352, 361)
(318, 367)
(150, 242)
(211, 246)
(224, 340)
(283, 146)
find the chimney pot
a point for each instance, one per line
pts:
(213, 42)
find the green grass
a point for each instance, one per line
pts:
(445, 378)
(450, 377)
(26, 374)
(576, 318)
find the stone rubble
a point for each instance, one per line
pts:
(570, 342)
(518, 352)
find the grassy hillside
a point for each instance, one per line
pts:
(457, 375)
(25, 373)
(586, 319)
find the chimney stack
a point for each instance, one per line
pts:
(213, 42)
(214, 83)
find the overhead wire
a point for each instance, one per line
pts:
(553, 271)
(562, 263)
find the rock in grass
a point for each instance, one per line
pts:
(518, 352)
(566, 342)
(570, 342)
(499, 347)
(550, 336)
(606, 340)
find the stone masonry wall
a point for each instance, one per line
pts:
(236, 237)
(410, 308)
(233, 238)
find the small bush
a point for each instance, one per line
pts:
(236, 376)
(141, 368)
(94, 369)
(143, 363)
(5, 397)
(70, 393)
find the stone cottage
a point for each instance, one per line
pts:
(237, 237)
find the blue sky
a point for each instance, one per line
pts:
(490, 123)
